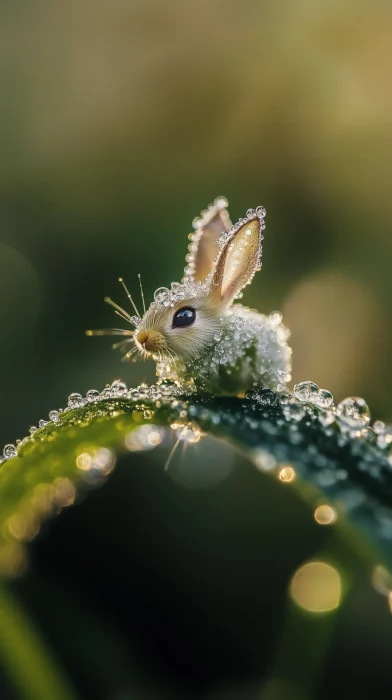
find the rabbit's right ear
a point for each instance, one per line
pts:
(239, 258)
(203, 248)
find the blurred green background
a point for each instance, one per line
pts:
(121, 120)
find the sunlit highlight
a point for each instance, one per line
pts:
(99, 462)
(325, 515)
(316, 587)
(144, 438)
(287, 474)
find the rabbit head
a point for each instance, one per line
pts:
(222, 259)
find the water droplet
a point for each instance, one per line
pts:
(197, 223)
(33, 429)
(267, 397)
(75, 401)
(42, 423)
(250, 212)
(324, 399)
(260, 211)
(221, 202)
(353, 412)
(92, 395)
(9, 451)
(167, 387)
(378, 426)
(306, 391)
(275, 318)
(250, 394)
(54, 416)
(118, 388)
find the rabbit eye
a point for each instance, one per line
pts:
(184, 317)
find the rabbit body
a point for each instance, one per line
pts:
(248, 349)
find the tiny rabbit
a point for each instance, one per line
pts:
(194, 331)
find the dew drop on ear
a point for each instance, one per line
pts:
(197, 223)
(161, 293)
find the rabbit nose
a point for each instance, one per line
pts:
(142, 337)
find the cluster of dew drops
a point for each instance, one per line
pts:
(118, 389)
(352, 415)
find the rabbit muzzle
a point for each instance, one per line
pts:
(150, 341)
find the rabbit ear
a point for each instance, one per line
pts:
(240, 257)
(203, 248)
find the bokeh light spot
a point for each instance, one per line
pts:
(325, 515)
(83, 461)
(316, 587)
(287, 474)
(144, 438)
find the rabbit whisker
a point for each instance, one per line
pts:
(121, 312)
(127, 292)
(141, 292)
(110, 331)
(120, 344)
(128, 355)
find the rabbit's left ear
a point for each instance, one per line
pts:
(204, 248)
(239, 259)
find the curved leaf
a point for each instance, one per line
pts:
(282, 436)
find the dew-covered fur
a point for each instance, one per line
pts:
(247, 349)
